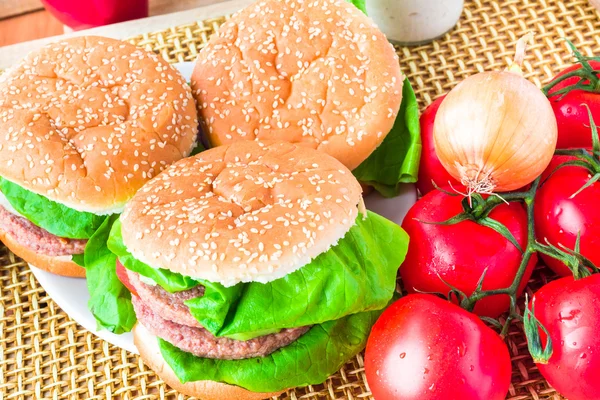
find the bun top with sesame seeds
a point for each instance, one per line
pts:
(87, 121)
(317, 72)
(243, 212)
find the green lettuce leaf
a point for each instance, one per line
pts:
(79, 259)
(309, 360)
(110, 301)
(358, 274)
(360, 4)
(56, 218)
(170, 281)
(198, 149)
(217, 303)
(396, 160)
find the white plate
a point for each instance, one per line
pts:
(71, 294)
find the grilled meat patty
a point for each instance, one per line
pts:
(202, 343)
(37, 239)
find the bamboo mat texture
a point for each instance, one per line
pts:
(46, 355)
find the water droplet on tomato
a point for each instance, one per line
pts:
(429, 356)
(425, 371)
(579, 337)
(582, 355)
(472, 368)
(462, 349)
(402, 355)
(432, 387)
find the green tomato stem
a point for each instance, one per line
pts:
(580, 265)
(527, 198)
(586, 72)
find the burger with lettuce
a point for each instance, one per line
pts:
(314, 72)
(85, 123)
(252, 269)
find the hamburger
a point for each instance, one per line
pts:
(251, 268)
(313, 72)
(85, 123)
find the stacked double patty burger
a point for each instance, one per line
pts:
(84, 124)
(253, 270)
(249, 267)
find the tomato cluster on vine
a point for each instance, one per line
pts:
(478, 250)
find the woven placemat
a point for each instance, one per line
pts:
(45, 354)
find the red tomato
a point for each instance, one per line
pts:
(122, 275)
(431, 168)
(460, 253)
(558, 217)
(570, 310)
(571, 116)
(426, 348)
(555, 162)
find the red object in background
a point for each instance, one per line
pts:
(83, 14)
(431, 168)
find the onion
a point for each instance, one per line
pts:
(496, 131)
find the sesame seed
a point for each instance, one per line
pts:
(96, 132)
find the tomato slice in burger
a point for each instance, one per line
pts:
(122, 275)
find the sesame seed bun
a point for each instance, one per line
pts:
(317, 72)
(243, 212)
(147, 345)
(56, 265)
(87, 121)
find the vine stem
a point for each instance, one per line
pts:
(585, 72)
(530, 249)
(579, 264)
(566, 76)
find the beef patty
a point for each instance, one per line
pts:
(37, 239)
(202, 343)
(169, 306)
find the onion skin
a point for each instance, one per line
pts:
(495, 132)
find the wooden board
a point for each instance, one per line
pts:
(160, 7)
(35, 25)
(11, 54)
(11, 8)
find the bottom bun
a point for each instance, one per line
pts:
(147, 345)
(51, 264)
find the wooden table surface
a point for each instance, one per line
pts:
(38, 23)
(11, 54)
(34, 25)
